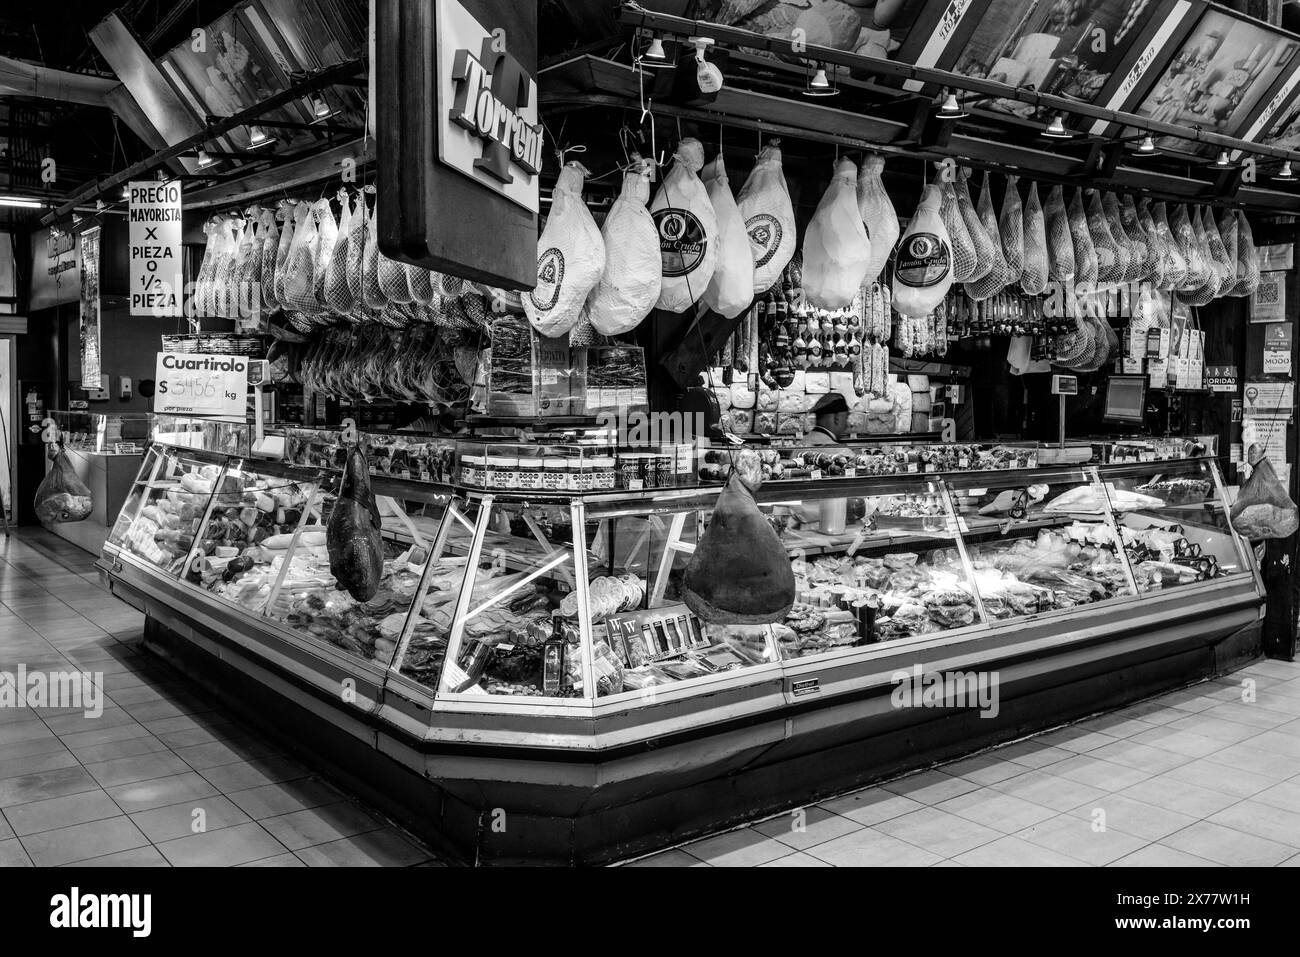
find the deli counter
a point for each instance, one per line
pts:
(529, 654)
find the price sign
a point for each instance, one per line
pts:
(154, 238)
(201, 384)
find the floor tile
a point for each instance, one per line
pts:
(1157, 855)
(939, 832)
(29, 729)
(140, 767)
(388, 847)
(1014, 852)
(987, 768)
(80, 842)
(797, 859)
(222, 848)
(1262, 820)
(147, 856)
(1143, 757)
(1183, 742)
(1227, 846)
(1079, 740)
(111, 750)
(809, 826)
(1032, 753)
(320, 825)
(216, 753)
(45, 784)
(33, 763)
(161, 792)
(930, 787)
(120, 732)
(1098, 773)
(1246, 757)
(13, 855)
(1047, 790)
(284, 797)
(1134, 817)
(1220, 729)
(280, 860)
(996, 810)
(1218, 777)
(870, 848)
(181, 820)
(1285, 795)
(745, 847)
(249, 774)
(871, 805)
(59, 812)
(1082, 840)
(673, 857)
(1175, 795)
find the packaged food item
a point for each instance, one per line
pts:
(687, 228)
(630, 284)
(731, 290)
(764, 203)
(836, 251)
(570, 258)
(923, 272)
(62, 496)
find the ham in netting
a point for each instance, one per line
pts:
(1034, 275)
(964, 258)
(1060, 245)
(995, 280)
(1085, 257)
(985, 249)
(1011, 227)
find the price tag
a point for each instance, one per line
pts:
(406, 474)
(850, 473)
(912, 467)
(636, 485)
(201, 384)
(424, 475)
(816, 474)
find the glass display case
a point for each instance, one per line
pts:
(113, 433)
(555, 601)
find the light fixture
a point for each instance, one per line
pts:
(654, 56)
(1056, 130)
(257, 136)
(1285, 174)
(819, 84)
(126, 192)
(204, 159)
(21, 202)
(1147, 147)
(707, 75)
(320, 109)
(1223, 159)
(950, 108)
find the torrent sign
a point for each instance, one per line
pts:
(154, 235)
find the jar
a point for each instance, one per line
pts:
(472, 470)
(603, 474)
(502, 472)
(555, 475)
(530, 475)
(629, 467)
(665, 470)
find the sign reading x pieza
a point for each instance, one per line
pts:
(461, 145)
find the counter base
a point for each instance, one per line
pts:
(499, 816)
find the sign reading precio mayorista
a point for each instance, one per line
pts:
(192, 383)
(154, 235)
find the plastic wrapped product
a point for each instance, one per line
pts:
(739, 572)
(688, 230)
(923, 271)
(270, 244)
(287, 215)
(731, 290)
(356, 251)
(629, 285)
(1225, 269)
(61, 496)
(1173, 264)
(1033, 275)
(836, 251)
(1247, 258)
(300, 269)
(764, 202)
(986, 250)
(1111, 260)
(877, 212)
(570, 258)
(1228, 235)
(352, 534)
(327, 234)
(1263, 509)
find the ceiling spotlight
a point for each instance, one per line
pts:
(1056, 130)
(204, 159)
(126, 192)
(257, 136)
(819, 84)
(1223, 159)
(1147, 147)
(951, 109)
(1285, 172)
(654, 56)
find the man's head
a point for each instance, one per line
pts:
(832, 413)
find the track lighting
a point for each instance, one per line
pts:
(1056, 130)
(819, 84)
(1285, 174)
(950, 109)
(1147, 147)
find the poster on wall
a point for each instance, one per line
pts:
(1268, 302)
(1074, 50)
(1277, 348)
(89, 243)
(154, 241)
(1224, 71)
(55, 277)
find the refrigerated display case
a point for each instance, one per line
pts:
(533, 651)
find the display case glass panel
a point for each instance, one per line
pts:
(254, 517)
(515, 628)
(1174, 524)
(306, 598)
(1039, 541)
(161, 518)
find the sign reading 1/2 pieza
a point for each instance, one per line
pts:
(193, 383)
(489, 103)
(154, 235)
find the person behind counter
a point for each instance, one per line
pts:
(832, 412)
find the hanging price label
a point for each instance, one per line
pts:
(200, 384)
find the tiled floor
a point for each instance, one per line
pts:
(1198, 777)
(132, 786)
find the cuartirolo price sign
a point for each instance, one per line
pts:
(200, 384)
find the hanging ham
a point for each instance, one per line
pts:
(731, 290)
(570, 258)
(688, 230)
(1034, 274)
(629, 285)
(878, 215)
(764, 203)
(923, 270)
(836, 251)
